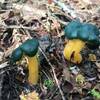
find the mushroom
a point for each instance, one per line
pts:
(28, 49)
(78, 35)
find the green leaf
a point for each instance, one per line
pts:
(48, 83)
(95, 93)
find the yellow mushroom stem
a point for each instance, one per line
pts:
(72, 50)
(33, 67)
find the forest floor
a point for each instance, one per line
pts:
(45, 20)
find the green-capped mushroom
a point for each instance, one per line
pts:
(78, 35)
(29, 49)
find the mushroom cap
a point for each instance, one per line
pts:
(30, 47)
(71, 30)
(89, 32)
(16, 54)
(83, 31)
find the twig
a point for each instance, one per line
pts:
(9, 68)
(61, 92)
(17, 27)
(50, 98)
(3, 65)
(66, 8)
(46, 75)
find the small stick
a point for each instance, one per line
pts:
(17, 27)
(3, 65)
(66, 8)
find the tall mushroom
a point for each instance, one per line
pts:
(28, 49)
(79, 34)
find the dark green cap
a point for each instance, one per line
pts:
(71, 30)
(30, 47)
(83, 31)
(16, 55)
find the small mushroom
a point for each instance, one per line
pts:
(80, 34)
(28, 49)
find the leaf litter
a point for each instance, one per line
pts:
(45, 20)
